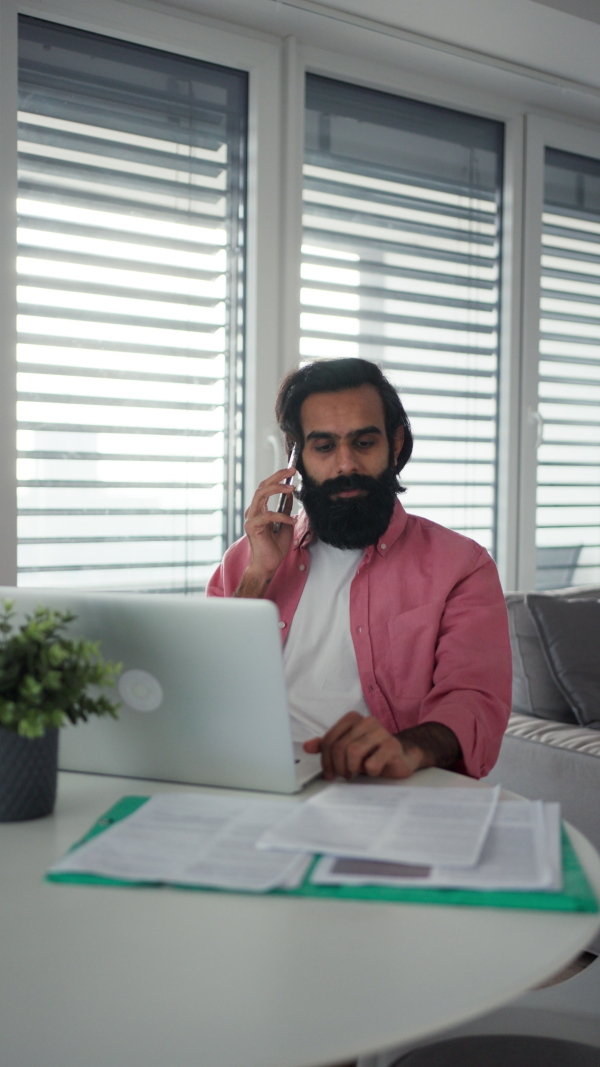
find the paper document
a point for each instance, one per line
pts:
(402, 825)
(521, 851)
(191, 839)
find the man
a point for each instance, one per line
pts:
(396, 647)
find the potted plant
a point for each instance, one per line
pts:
(44, 683)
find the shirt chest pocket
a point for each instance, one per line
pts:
(413, 639)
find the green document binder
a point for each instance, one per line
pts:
(576, 895)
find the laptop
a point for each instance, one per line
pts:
(202, 690)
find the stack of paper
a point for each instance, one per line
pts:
(521, 851)
(190, 839)
(407, 825)
(365, 834)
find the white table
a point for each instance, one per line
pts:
(121, 977)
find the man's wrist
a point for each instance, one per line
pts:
(253, 585)
(437, 744)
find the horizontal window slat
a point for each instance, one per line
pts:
(100, 483)
(117, 233)
(338, 240)
(385, 341)
(34, 311)
(103, 457)
(388, 233)
(105, 374)
(86, 330)
(385, 317)
(150, 271)
(88, 141)
(134, 539)
(108, 105)
(369, 266)
(108, 429)
(129, 565)
(357, 212)
(379, 198)
(179, 405)
(117, 345)
(74, 179)
(153, 205)
(118, 293)
(116, 512)
(427, 299)
(578, 255)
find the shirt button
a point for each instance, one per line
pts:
(360, 629)
(296, 543)
(301, 567)
(282, 625)
(383, 547)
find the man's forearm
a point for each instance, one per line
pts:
(437, 742)
(253, 586)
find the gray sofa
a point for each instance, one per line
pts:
(551, 749)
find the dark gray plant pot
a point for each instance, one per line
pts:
(28, 770)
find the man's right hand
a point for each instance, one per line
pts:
(267, 548)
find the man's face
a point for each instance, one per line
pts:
(349, 486)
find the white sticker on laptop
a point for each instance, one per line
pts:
(140, 690)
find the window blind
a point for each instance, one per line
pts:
(131, 312)
(568, 471)
(401, 265)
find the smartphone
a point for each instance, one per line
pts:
(288, 481)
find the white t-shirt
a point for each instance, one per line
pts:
(319, 658)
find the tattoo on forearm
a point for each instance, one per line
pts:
(437, 741)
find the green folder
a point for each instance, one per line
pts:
(576, 894)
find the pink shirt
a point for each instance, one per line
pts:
(429, 626)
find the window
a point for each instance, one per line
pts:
(131, 312)
(401, 264)
(568, 456)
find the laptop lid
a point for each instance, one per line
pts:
(202, 689)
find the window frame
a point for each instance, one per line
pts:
(260, 57)
(522, 99)
(542, 133)
(403, 83)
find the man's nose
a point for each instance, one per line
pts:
(346, 459)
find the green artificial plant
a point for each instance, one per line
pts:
(44, 675)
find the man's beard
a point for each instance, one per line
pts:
(351, 522)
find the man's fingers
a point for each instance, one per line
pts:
(313, 745)
(358, 745)
(266, 490)
(353, 754)
(347, 721)
(259, 523)
(392, 760)
(330, 739)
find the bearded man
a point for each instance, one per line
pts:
(396, 647)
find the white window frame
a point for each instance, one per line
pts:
(308, 60)
(583, 141)
(445, 76)
(185, 35)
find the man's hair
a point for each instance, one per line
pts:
(333, 376)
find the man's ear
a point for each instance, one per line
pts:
(398, 442)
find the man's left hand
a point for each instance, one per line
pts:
(358, 745)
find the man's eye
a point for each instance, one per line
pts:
(324, 447)
(365, 442)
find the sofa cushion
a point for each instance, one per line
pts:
(535, 691)
(569, 631)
